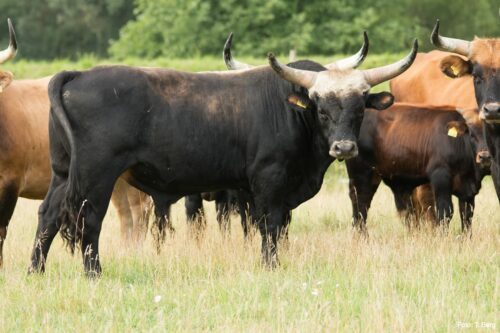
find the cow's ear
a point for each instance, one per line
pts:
(380, 101)
(5, 80)
(299, 102)
(454, 66)
(456, 128)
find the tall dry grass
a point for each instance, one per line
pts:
(329, 280)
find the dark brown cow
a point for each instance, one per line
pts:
(410, 145)
(472, 80)
(24, 143)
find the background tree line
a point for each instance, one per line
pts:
(187, 28)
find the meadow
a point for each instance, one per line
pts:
(329, 279)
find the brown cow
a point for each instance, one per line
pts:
(410, 145)
(474, 69)
(24, 143)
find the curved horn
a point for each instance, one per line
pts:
(232, 64)
(299, 77)
(378, 75)
(459, 46)
(354, 60)
(11, 50)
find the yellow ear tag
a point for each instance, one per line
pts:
(455, 70)
(453, 132)
(299, 103)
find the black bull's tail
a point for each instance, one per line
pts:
(70, 219)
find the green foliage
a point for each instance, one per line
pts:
(172, 28)
(149, 29)
(64, 28)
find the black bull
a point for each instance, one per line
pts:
(180, 133)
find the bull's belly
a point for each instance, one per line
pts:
(177, 181)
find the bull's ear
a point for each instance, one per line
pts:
(454, 66)
(5, 80)
(380, 101)
(299, 102)
(456, 128)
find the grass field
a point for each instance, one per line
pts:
(328, 279)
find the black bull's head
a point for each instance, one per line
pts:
(339, 93)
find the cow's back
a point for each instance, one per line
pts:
(24, 110)
(424, 82)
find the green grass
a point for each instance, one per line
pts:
(329, 280)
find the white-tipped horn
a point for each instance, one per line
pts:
(378, 75)
(458, 46)
(232, 64)
(303, 78)
(11, 50)
(353, 61)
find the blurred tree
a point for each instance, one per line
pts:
(188, 28)
(64, 28)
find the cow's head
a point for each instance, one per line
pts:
(8, 53)
(474, 126)
(482, 63)
(339, 93)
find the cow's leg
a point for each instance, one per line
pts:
(8, 197)
(270, 227)
(162, 221)
(404, 204)
(194, 211)
(363, 183)
(441, 186)
(222, 207)
(283, 236)
(140, 206)
(47, 229)
(466, 206)
(122, 206)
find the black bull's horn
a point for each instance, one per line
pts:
(343, 64)
(372, 76)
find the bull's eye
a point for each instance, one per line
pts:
(478, 79)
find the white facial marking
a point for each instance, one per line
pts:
(341, 83)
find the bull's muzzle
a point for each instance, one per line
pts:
(344, 149)
(483, 158)
(490, 113)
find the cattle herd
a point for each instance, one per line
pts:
(257, 139)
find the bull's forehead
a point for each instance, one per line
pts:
(340, 83)
(486, 52)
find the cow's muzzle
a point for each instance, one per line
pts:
(490, 113)
(344, 149)
(483, 158)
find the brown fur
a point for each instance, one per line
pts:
(424, 83)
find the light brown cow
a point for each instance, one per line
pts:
(24, 144)
(425, 83)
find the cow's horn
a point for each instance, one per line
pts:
(458, 46)
(232, 64)
(378, 75)
(299, 77)
(11, 50)
(354, 60)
